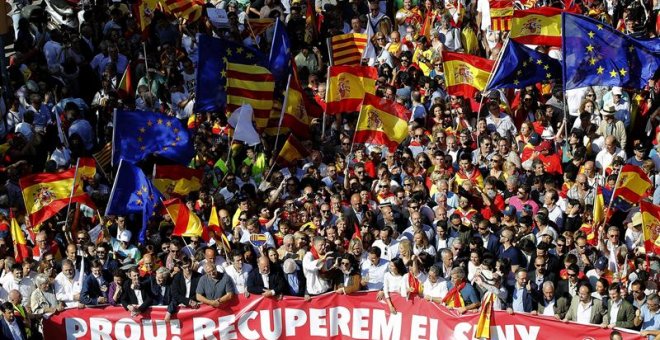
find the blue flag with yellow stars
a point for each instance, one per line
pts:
(214, 54)
(521, 66)
(133, 193)
(596, 54)
(280, 54)
(138, 134)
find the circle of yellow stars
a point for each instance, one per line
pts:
(162, 125)
(531, 61)
(594, 58)
(144, 193)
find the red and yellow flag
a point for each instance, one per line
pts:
(125, 87)
(485, 317)
(651, 226)
(292, 151)
(299, 109)
(633, 183)
(382, 122)
(21, 251)
(254, 85)
(500, 14)
(453, 299)
(537, 26)
(186, 222)
(188, 10)
(86, 168)
(260, 25)
(45, 194)
(347, 49)
(145, 12)
(177, 180)
(347, 85)
(466, 74)
(218, 230)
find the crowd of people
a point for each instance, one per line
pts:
(496, 198)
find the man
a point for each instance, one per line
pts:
(586, 256)
(315, 266)
(252, 227)
(504, 150)
(238, 272)
(373, 271)
(569, 287)
(605, 157)
(288, 248)
(498, 121)
(210, 255)
(184, 286)
(523, 198)
(508, 251)
(610, 126)
(94, 289)
(435, 286)
(389, 247)
(555, 213)
(21, 312)
(458, 285)
(136, 297)
(490, 241)
(551, 305)
(520, 298)
(540, 274)
(621, 312)
(649, 317)
(608, 243)
(295, 284)
(621, 106)
(10, 326)
(264, 281)
(68, 285)
(161, 289)
(214, 288)
(15, 280)
(468, 172)
(585, 310)
(43, 247)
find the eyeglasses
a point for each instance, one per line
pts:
(242, 219)
(345, 263)
(325, 211)
(521, 193)
(407, 184)
(561, 245)
(572, 275)
(414, 207)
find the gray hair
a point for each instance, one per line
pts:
(435, 269)
(40, 279)
(288, 237)
(456, 241)
(163, 271)
(446, 251)
(548, 284)
(459, 272)
(653, 297)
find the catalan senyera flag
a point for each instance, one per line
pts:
(177, 180)
(485, 317)
(292, 151)
(347, 86)
(45, 194)
(500, 14)
(633, 183)
(188, 10)
(651, 226)
(260, 25)
(254, 85)
(347, 49)
(466, 74)
(218, 230)
(186, 222)
(21, 251)
(537, 26)
(382, 122)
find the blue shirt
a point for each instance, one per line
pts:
(650, 320)
(518, 301)
(293, 282)
(467, 293)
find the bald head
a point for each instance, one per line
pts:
(264, 265)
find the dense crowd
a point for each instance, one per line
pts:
(471, 202)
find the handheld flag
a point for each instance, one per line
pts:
(21, 251)
(188, 10)
(252, 85)
(347, 86)
(280, 54)
(218, 230)
(177, 180)
(292, 151)
(260, 25)
(651, 226)
(537, 26)
(241, 121)
(145, 9)
(186, 222)
(465, 74)
(382, 122)
(500, 14)
(633, 183)
(521, 66)
(347, 49)
(126, 88)
(485, 316)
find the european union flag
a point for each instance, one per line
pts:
(618, 203)
(521, 66)
(280, 54)
(138, 134)
(133, 193)
(597, 54)
(214, 54)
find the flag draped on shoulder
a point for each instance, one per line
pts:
(521, 66)
(537, 26)
(382, 122)
(347, 86)
(633, 183)
(253, 85)
(186, 222)
(466, 74)
(291, 152)
(651, 226)
(347, 49)
(500, 14)
(177, 180)
(45, 194)
(597, 54)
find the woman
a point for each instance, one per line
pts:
(414, 279)
(526, 129)
(349, 281)
(496, 169)
(393, 282)
(42, 301)
(474, 264)
(422, 244)
(356, 249)
(450, 36)
(441, 236)
(115, 288)
(405, 250)
(273, 257)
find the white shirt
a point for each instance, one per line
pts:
(219, 264)
(14, 329)
(138, 295)
(389, 251)
(315, 284)
(614, 310)
(188, 283)
(604, 158)
(239, 278)
(549, 308)
(25, 286)
(556, 215)
(429, 250)
(374, 275)
(584, 312)
(65, 289)
(437, 290)
(392, 284)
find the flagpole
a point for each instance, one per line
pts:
(114, 133)
(327, 79)
(609, 206)
(73, 190)
(490, 77)
(354, 133)
(284, 104)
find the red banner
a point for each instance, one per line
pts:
(357, 316)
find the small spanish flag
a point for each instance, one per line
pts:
(86, 168)
(537, 26)
(347, 85)
(292, 151)
(382, 122)
(347, 49)
(633, 183)
(21, 251)
(500, 14)
(466, 74)
(177, 180)
(651, 226)
(186, 222)
(218, 230)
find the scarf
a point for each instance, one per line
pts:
(315, 253)
(454, 298)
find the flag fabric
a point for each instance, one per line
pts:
(485, 317)
(257, 26)
(500, 14)
(597, 54)
(86, 168)
(104, 158)
(370, 49)
(253, 85)
(186, 222)
(651, 226)
(465, 74)
(633, 183)
(45, 194)
(537, 26)
(382, 122)
(280, 54)
(618, 202)
(241, 121)
(258, 240)
(521, 66)
(132, 192)
(453, 299)
(137, 134)
(299, 109)
(211, 82)
(218, 230)
(177, 180)
(21, 251)
(188, 10)
(145, 9)
(292, 151)
(347, 49)
(310, 23)
(347, 86)
(427, 25)
(126, 87)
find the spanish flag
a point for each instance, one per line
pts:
(145, 12)
(599, 208)
(86, 168)
(500, 14)
(250, 84)
(292, 151)
(347, 49)
(453, 299)
(218, 230)
(177, 180)
(382, 122)
(21, 251)
(466, 74)
(633, 183)
(274, 128)
(126, 88)
(45, 194)
(651, 226)
(186, 222)
(485, 317)
(347, 85)
(537, 26)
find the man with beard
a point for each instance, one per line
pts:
(67, 285)
(314, 266)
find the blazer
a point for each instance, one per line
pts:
(598, 312)
(5, 332)
(625, 315)
(178, 288)
(528, 299)
(255, 283)
(302, 285)
(560, 308)
(91, 290)
(159, 297)
(352, 286)
(531, 276)
(128, 296)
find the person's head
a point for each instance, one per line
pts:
(573, 271)
(210, 269)
(264, 265)
(434, 274)
(637, 290)
(548, 290)
(610, 144)
(457, 276)
(521, 277)
(96, 267)
(7, 311)
(397, 267)
(653, 302)
(614, 292)
(162, 275)
(319, 244)
(374, 255)
(15, 297)
(68, 269)
(42, 282)
(447, 257)
(584, 293)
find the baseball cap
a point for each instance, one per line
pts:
(601, 263)
(616, 90)
(509, 210)
(124, 236)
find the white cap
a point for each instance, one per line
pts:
(124, 236)
(617, 90)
